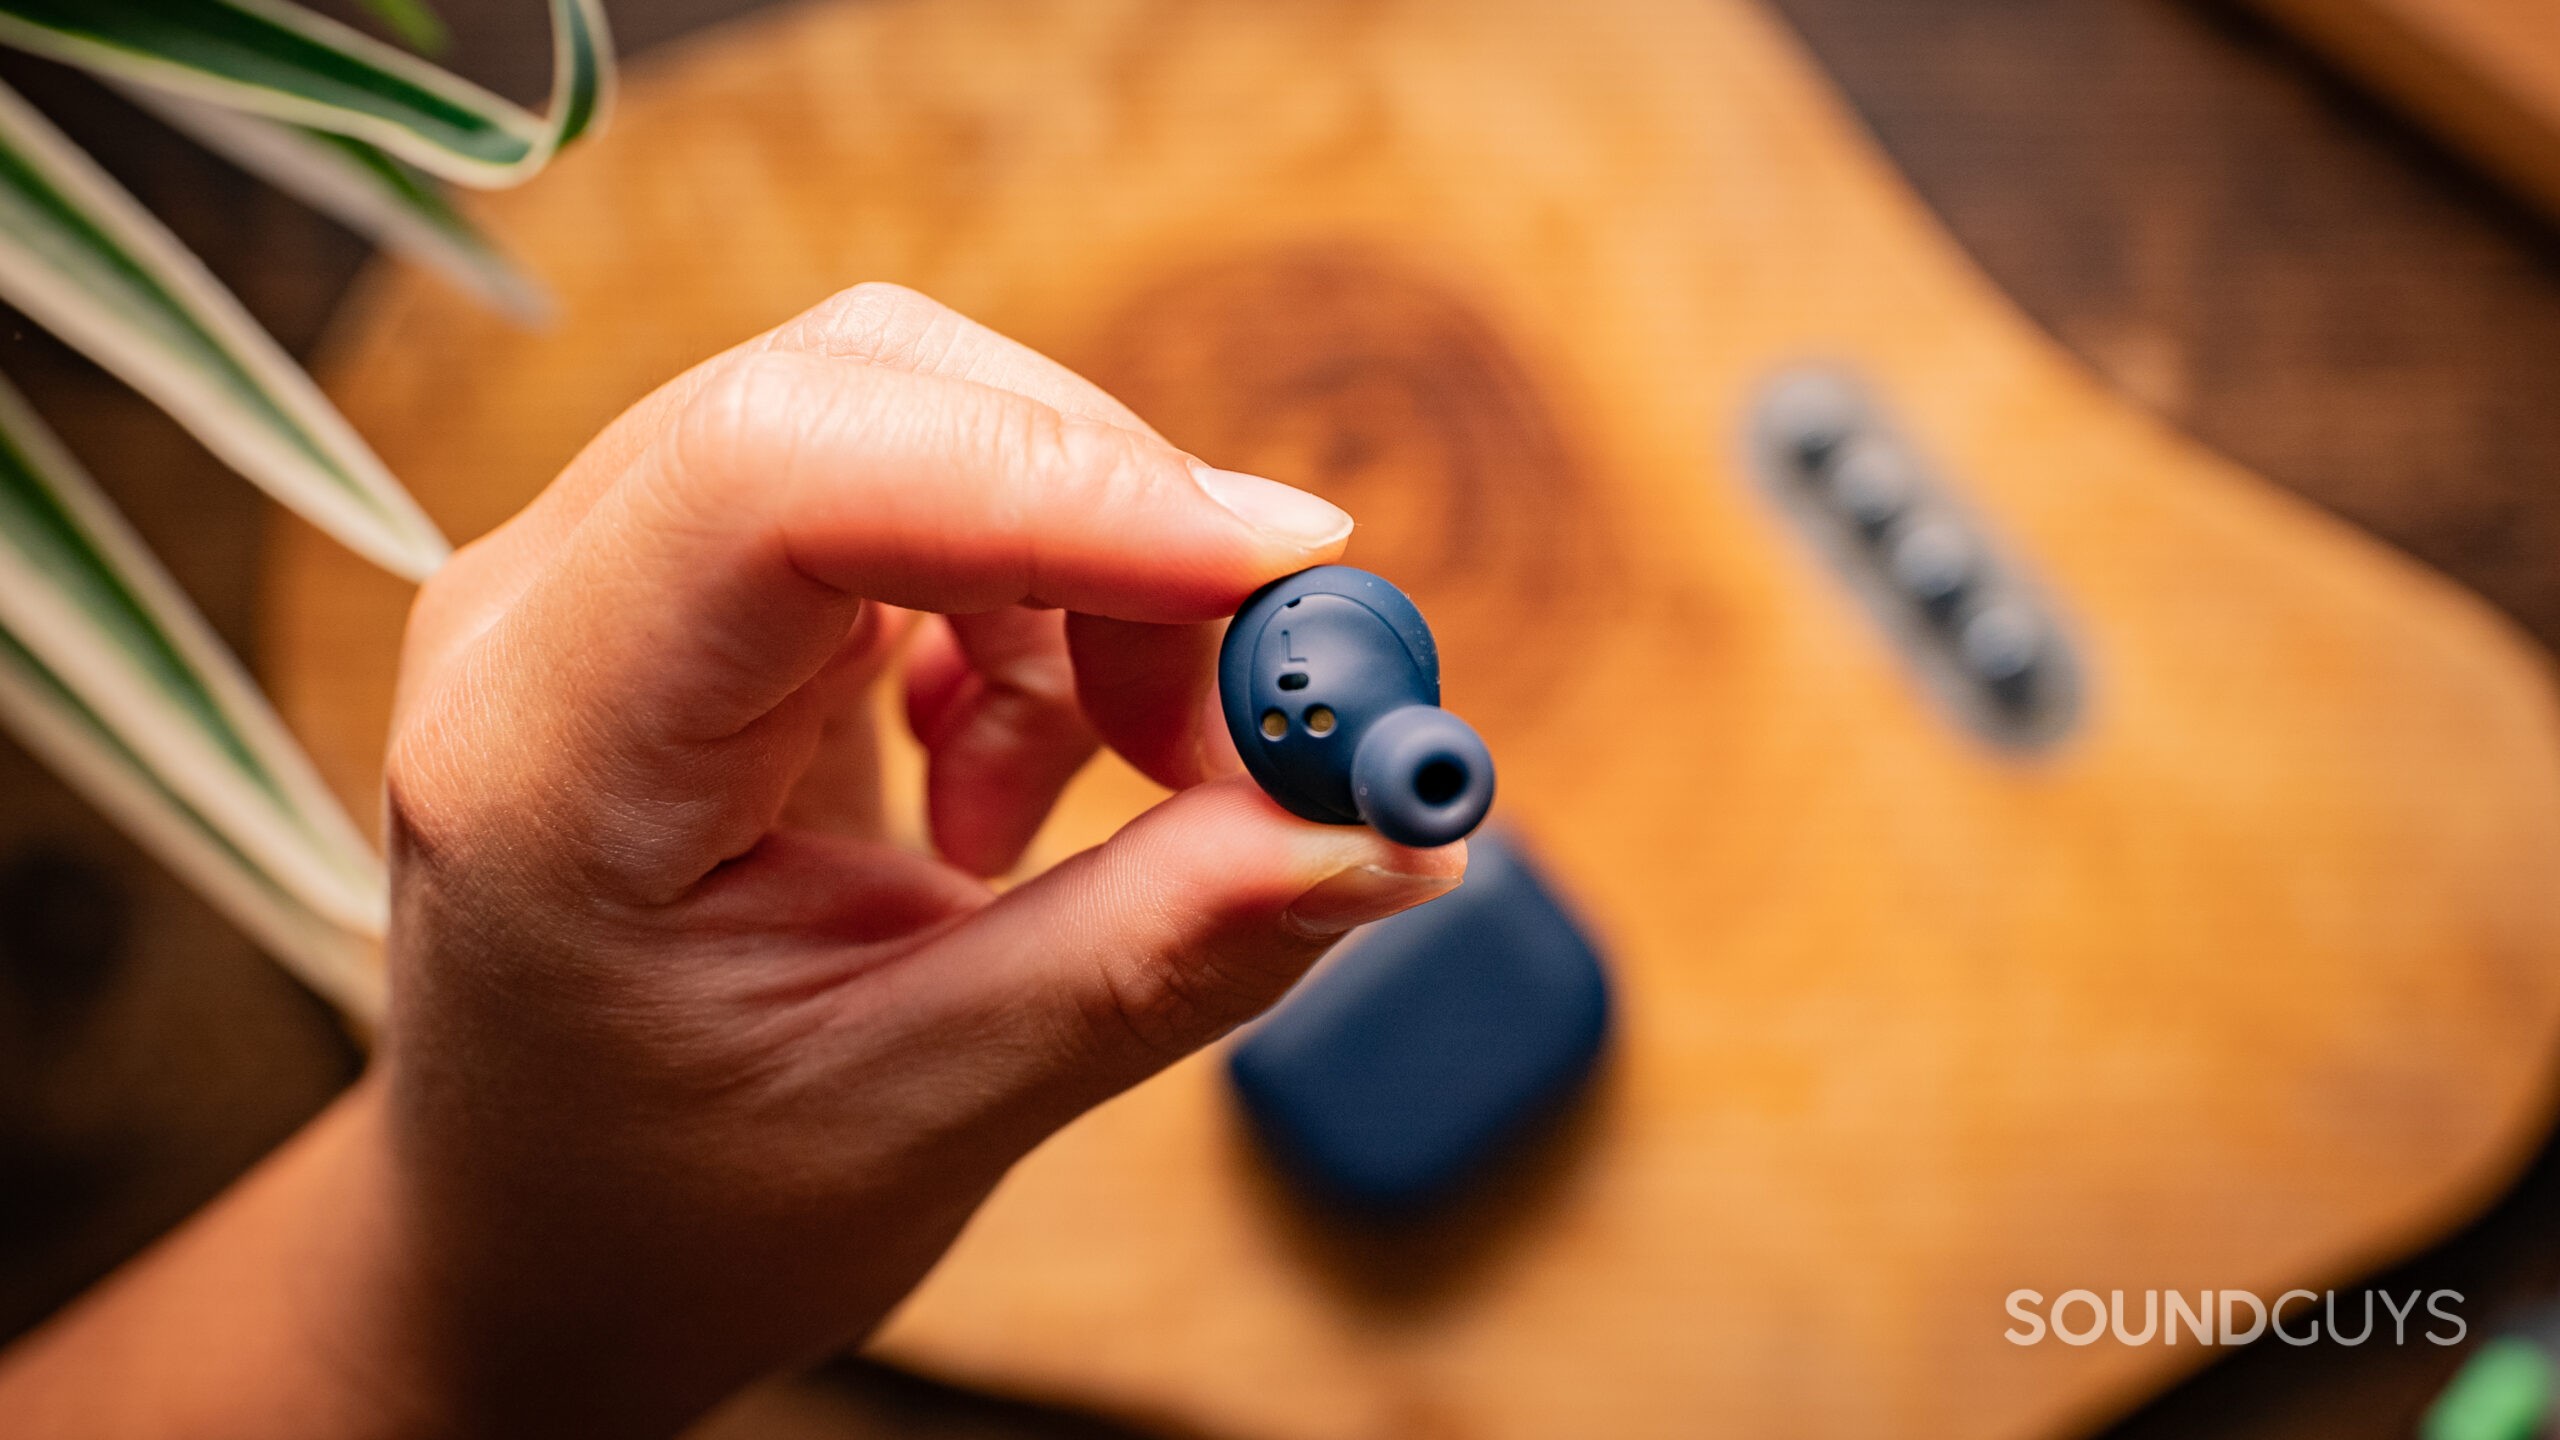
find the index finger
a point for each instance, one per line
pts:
(653, 663)
(870, 324)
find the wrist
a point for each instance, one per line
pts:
(274, 1311)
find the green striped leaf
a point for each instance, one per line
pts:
(288, 64)
(415, 22)
(380, 197)
(106, 671)
(82, 259)
(87, 603)
(69, 737)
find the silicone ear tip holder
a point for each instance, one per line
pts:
(1331, 686)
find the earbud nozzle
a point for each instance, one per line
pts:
(1422, 777)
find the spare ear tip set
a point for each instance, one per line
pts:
(1330, 682)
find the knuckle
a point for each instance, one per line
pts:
(427, 815)
(1034, 442)
(1077, 484)
(877, 322)
(1080, 465)
(741, 428)
(457, 777)
(454, 596)
(434, 613)
(735, 406)
(1044, 680)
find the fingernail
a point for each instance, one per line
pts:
(1359, 895)
(1273, 508)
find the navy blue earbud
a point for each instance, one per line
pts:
(1331, 686)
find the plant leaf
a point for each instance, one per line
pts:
(84, 260)
(377, 195)
(415, 22)
(68, 736)
(288, 64)
(82, 596)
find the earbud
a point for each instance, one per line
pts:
(1331, 685)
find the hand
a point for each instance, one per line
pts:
(689, 1074)
(686, 1062)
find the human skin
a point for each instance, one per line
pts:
(689, 1074)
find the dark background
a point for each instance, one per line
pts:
(2195, 206)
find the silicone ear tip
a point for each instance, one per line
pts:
(1422, 777)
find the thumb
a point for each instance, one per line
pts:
(1190, 921)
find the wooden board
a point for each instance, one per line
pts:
(2249, 985)
(2484, 74)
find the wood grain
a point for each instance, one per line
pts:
(2485, 74)
(2246, 987)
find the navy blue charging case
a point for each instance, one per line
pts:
(1433, 1039)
